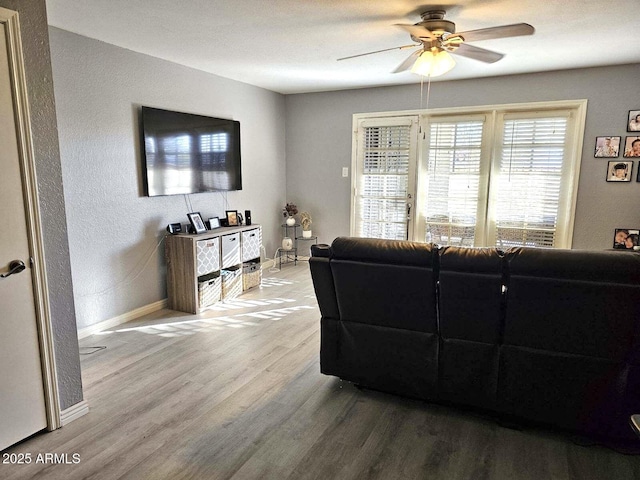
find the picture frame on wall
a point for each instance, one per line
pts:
(619, 171)
(631, 147)
(633, 123)
(232, 218)
(196, 222)
(607, 147)
(626, 238)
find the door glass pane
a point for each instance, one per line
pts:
(384, 182)
(529, 182)
(452, 182)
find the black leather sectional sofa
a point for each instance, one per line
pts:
(549, 336)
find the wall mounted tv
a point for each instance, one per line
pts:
(186, 153)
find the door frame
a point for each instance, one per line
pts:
(33, 220)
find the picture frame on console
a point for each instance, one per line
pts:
(232, 218)
(214, 222)
(196, 222)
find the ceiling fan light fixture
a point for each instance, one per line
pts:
(433, 63)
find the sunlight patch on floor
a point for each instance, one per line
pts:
(275, 282)
(237, 303)
(191, 327)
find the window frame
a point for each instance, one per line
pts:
(574, 145)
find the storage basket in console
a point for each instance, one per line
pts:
(251, 275)
(231, 282)
(209, 289)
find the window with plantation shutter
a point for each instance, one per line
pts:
(386, 151)
(502, 176)
(528, 181)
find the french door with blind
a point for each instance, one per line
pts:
(501, 177)
(385, 178)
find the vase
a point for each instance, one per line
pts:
(291, 221)
(306, 233)
(287, 243)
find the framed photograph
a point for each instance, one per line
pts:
(607, 147)
(633, 124)
(626, 238)
(619, 171)
(232, 218)
(214, 222)
(196, 222)
(632, 147)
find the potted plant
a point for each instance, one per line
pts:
(305, 221)
(288, 212)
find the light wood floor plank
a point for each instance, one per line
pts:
(236, 393)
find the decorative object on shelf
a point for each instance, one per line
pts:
(196, 222)
(287, 243)
(305, 221)
(288, 212)
(232, 218)
(174, 228)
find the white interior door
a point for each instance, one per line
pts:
(22, 397)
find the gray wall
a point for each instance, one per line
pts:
(35, 43)
(319, 141)
(115, 232)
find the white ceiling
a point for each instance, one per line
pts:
(292, 46)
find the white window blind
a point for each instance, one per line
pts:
(384, 169)
(500, 176)
(528, 181)
(453, 181)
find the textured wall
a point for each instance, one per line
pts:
(35, 40)
(115, 233)
(319, 141)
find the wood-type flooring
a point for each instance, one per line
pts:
(236, 393)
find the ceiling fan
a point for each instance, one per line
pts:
(437, 37)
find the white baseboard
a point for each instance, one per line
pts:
(74, 412)
(120, 319)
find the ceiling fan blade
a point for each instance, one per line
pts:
(477, 53)
(515, 30)
(379, 51)
(408, 63)
(417, 31)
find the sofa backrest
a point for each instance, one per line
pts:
(573, 301)
(471, 293)
(392, 280)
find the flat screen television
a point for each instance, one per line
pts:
(186, 153)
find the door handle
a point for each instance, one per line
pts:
(16, 266)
